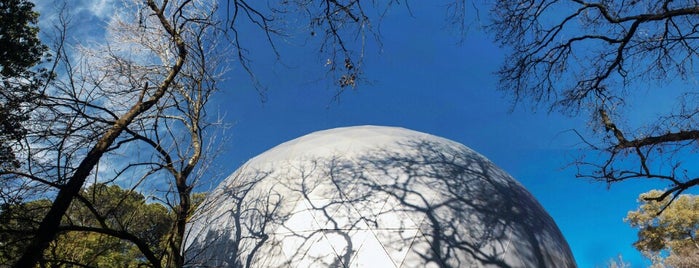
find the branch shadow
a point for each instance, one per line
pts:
(425, 204)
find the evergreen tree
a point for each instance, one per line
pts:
(87, 238)
(20, 52)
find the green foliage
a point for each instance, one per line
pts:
(197, 199)
(117, 209)
(668, 238)
(20, 50)
(18, 37)
(122, 210)
(91, 249)
(17, 222)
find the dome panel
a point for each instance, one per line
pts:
(370, 253)
(372, 196)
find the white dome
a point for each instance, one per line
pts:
(372, 196)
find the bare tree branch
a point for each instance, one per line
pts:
(591, 57)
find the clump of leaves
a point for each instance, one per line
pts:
(667, 229)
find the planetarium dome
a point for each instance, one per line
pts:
(371, 196)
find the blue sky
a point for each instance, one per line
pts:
(422, 79)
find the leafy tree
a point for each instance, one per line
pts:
(592, 58)
(17, 222)
(18, 36)
(668, 238)
(84, 240)
(19, 82)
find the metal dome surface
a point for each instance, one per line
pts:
(372, 196)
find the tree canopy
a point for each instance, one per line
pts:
(19, 82)
(86, 237)
(669, 238)
(18, 37)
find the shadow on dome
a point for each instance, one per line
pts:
(418, 203)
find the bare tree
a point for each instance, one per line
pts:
(592, 58)
(88, 116)
(178, 131)
(175, 138)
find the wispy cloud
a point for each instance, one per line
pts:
(96, 9)
(86, 18)
(101, 9)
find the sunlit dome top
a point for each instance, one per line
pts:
(371, 196)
